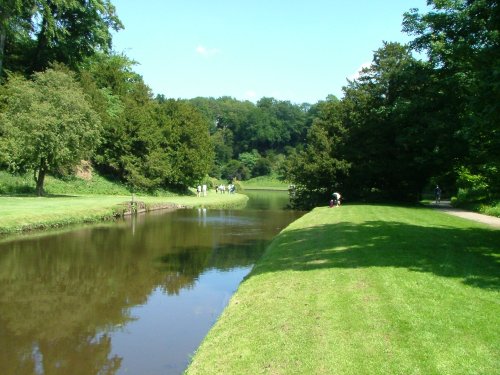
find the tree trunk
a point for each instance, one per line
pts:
(39, 62)
(39, 182)
(41, 45)
(40, 178)
(3, 37)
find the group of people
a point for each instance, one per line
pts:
(231, 188)
(335, 201)
(201, 190)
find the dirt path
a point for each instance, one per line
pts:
(445, 206)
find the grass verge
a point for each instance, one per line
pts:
(28, 213)
(264, 183)
(365, 290)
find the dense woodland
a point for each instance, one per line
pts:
(422, 114)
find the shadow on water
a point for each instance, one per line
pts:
(471, 255)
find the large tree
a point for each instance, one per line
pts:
(320, 168)
(461, 39)
(47, 125)
(35, 33)
(392, 114)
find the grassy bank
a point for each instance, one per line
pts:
(264, 183)
(365, 290)
(27, 213)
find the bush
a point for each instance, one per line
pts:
(263, 167)
(235, 169)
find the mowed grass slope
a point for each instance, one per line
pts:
(365, 290)
(25, 213)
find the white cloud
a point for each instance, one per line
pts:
(356, 75)
(206, 52)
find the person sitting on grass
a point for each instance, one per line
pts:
(336, 199)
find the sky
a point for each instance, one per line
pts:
(301, 51)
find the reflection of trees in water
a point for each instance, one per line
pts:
(60, 293)
(69, 355)
(183, 266)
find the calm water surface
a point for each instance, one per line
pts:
(134, 297)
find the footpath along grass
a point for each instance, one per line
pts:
(25, 213)
(365, 289)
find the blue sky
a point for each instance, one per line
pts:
(300, 51)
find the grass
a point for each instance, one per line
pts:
(28, 213)
(365, 289)
(264, 183)
(24, 184)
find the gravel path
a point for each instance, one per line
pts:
(445, 206)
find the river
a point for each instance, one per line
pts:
(135, 296)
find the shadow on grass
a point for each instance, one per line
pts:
(471, 254)
(29, 195)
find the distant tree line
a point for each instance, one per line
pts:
(421, 114)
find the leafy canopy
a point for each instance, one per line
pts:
(48, 125)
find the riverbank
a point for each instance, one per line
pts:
(365, 289)
(29, 213)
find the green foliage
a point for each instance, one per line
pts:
(16, 184)
(472, 187)
(149, 144)
(405, 122)
(320, 169)
(249, 159)
(462, 42)
(48, 126)
(38, 33)
(235, 169)
(241, 127)
(262, 167)
(392, 133)
(191, 152)
(97, 185)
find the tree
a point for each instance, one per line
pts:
(320, 168)
(187, 143)
(461, 39)
(392, 118)
(235, 169)
(9, 13)
(48, 125)
(47, 31)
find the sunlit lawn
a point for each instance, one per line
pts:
(264, 183)
(365, 290)
(18, 213)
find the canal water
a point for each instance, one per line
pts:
(133, 297)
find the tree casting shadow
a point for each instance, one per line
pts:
(471, 255)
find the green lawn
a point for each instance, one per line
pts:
(365, 289)
(24, 213)
(264, 183)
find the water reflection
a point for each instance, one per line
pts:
(133, 297)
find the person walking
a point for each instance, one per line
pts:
(437, 194)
